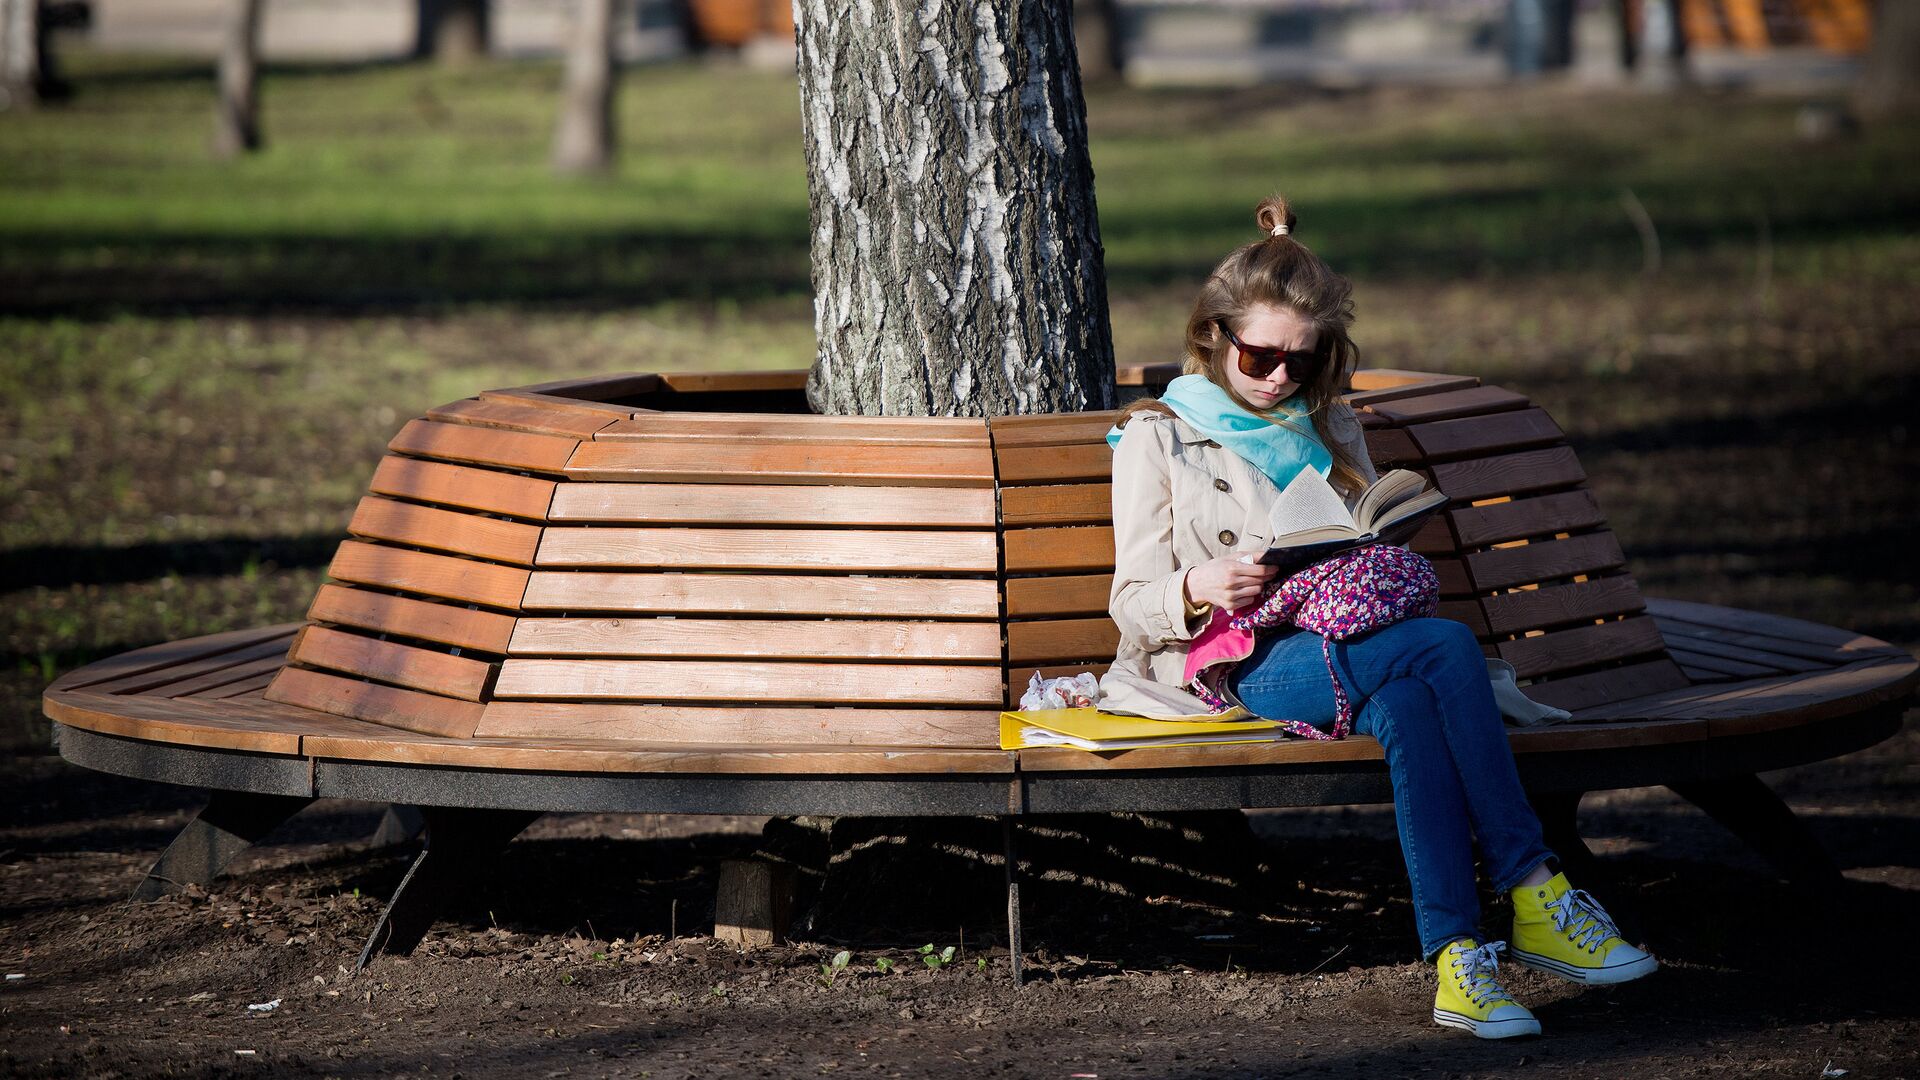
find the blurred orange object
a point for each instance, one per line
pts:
(733, 23)
(1839, 26)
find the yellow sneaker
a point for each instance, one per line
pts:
(1564, 931)
(1470, 999)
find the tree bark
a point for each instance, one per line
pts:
(957, 266)
(1890, 84)
(236, 121)
(22, 51)
(583, 140)
(452, 31)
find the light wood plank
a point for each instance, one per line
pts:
(216, 725)
(749, 682)
(606, 409)
(1544, 560)
(206, 685)
(1079, 594)
(445, 530)
(852, 550)
(1520, 519)
(758, 638)
(1064, 550)
(1059, 641)
(468, 580)
(1536, 609)
(389, 706)
(1583, 646)
(745, 726)
(1053, 429)
(699, 594)
(463, 487)
(155, 681)
(1509, 474)
(610, 756)
(736, 504)
(391, 662)
(1056, 504)
(776, 428)
(1090, 462)
(522, 415)
(752, 462)
(169, 654)
(484, 446)
(467, 628)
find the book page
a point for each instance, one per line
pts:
(1309, 502)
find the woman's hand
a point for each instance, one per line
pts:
(1228, 583)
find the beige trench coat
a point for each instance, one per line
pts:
(1179, 499)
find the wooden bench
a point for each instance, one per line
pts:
(684, 594)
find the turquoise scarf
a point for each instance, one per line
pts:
(1279, 452)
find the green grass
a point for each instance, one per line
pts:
(200, 362)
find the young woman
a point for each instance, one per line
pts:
(1194, 473)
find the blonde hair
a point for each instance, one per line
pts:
(1277, 271)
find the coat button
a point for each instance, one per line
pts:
(1227, 537)
(1221, 485)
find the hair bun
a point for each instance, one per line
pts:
(1275, 216)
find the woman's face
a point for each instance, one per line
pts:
(1276, 328)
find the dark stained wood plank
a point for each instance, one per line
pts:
(771, 428)
(771, 549)
(1063, 550)
(446, 530)
(1392, 447)
(1809, 697)
(1074, 463)
(1078, 594)
(522, 416)
(1756, 622)
(156, 681)
(1434, 538)
(614, 756)
(1583, 646)
(796, 639)
(409, 710)
(1583, 692)
(1056, 504)
(749, 681)
(734, 504)
(1518, 519)
(1771, 662)
(169, 654)
(1718, 666)
(464, 487)
(391, 662)
(1464, 611)
(1701, 675)
(747, 461)
(1544, 560)
(1378, 385)
(484, 446)
(1509, 474)
(1453, 577)
(1554, 605)
(746, 726)
(468, 580)
(688, 594)
(467, 628)
(1449, 405)
(1679, 630)
(1059, 641)
(1445, 440)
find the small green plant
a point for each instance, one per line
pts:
(883, 963)
(831, 972)
(566, 978)
(719, 990)
(936, 960)
(980, 963)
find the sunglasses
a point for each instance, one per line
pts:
(1259, 361)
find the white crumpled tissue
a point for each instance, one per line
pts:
(1077, 692)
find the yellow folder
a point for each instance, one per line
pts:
(1091, 729)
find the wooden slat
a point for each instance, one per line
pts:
(749, 727)
(1453, 577)
(1680, 630)
(156, 681)
(249, 687)
(772, 549)
(1054, 429)
(434, 575)
(1145, 374)
(694, 382)
(409, 710)
(689, 594)
(1509, 474)
(766, 639)
(1040, 551)
(464, 487)
(446, 530)
(1777, 626)
(1434, 538)
(168, 654)
(605, 409)
(261, 668)
(734, 504)
(613, 756)
(1519, 519)
(749, 681)
(391, 662)
(1079, 463)
(1714, 667)
(1772, 662)
(1582, 692)
(1544, 560)
(1381, 385)
(1584, 646)
(1465, 611)
(1390, 447)
(751, 462)
(1449, 405)
(1055, 641)
(1056, 504)
(1535, 609)
(522, 416)
(776, 428)
(1476, 435)
(266, 729)
(464, 627)
(1764, 704)
(484, 446)
(1079, 594)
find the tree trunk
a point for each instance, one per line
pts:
(583, 141)
(22, 49)
(1539, 36)
(957, 266)
(452, 31)
(236, 120)
(1890, 85)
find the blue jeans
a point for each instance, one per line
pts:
(1420, 687)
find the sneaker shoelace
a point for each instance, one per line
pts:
(1481, 964)
(1578, 915)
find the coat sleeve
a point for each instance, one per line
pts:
(1148, 601)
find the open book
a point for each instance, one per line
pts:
(1311, 522)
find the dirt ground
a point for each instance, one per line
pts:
(587, 952)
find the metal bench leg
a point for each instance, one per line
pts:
(1013, 897)
(230, 823)
(400, 824)
(459, 842)
(1750, 810)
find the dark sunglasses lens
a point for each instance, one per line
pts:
(1259, 365)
